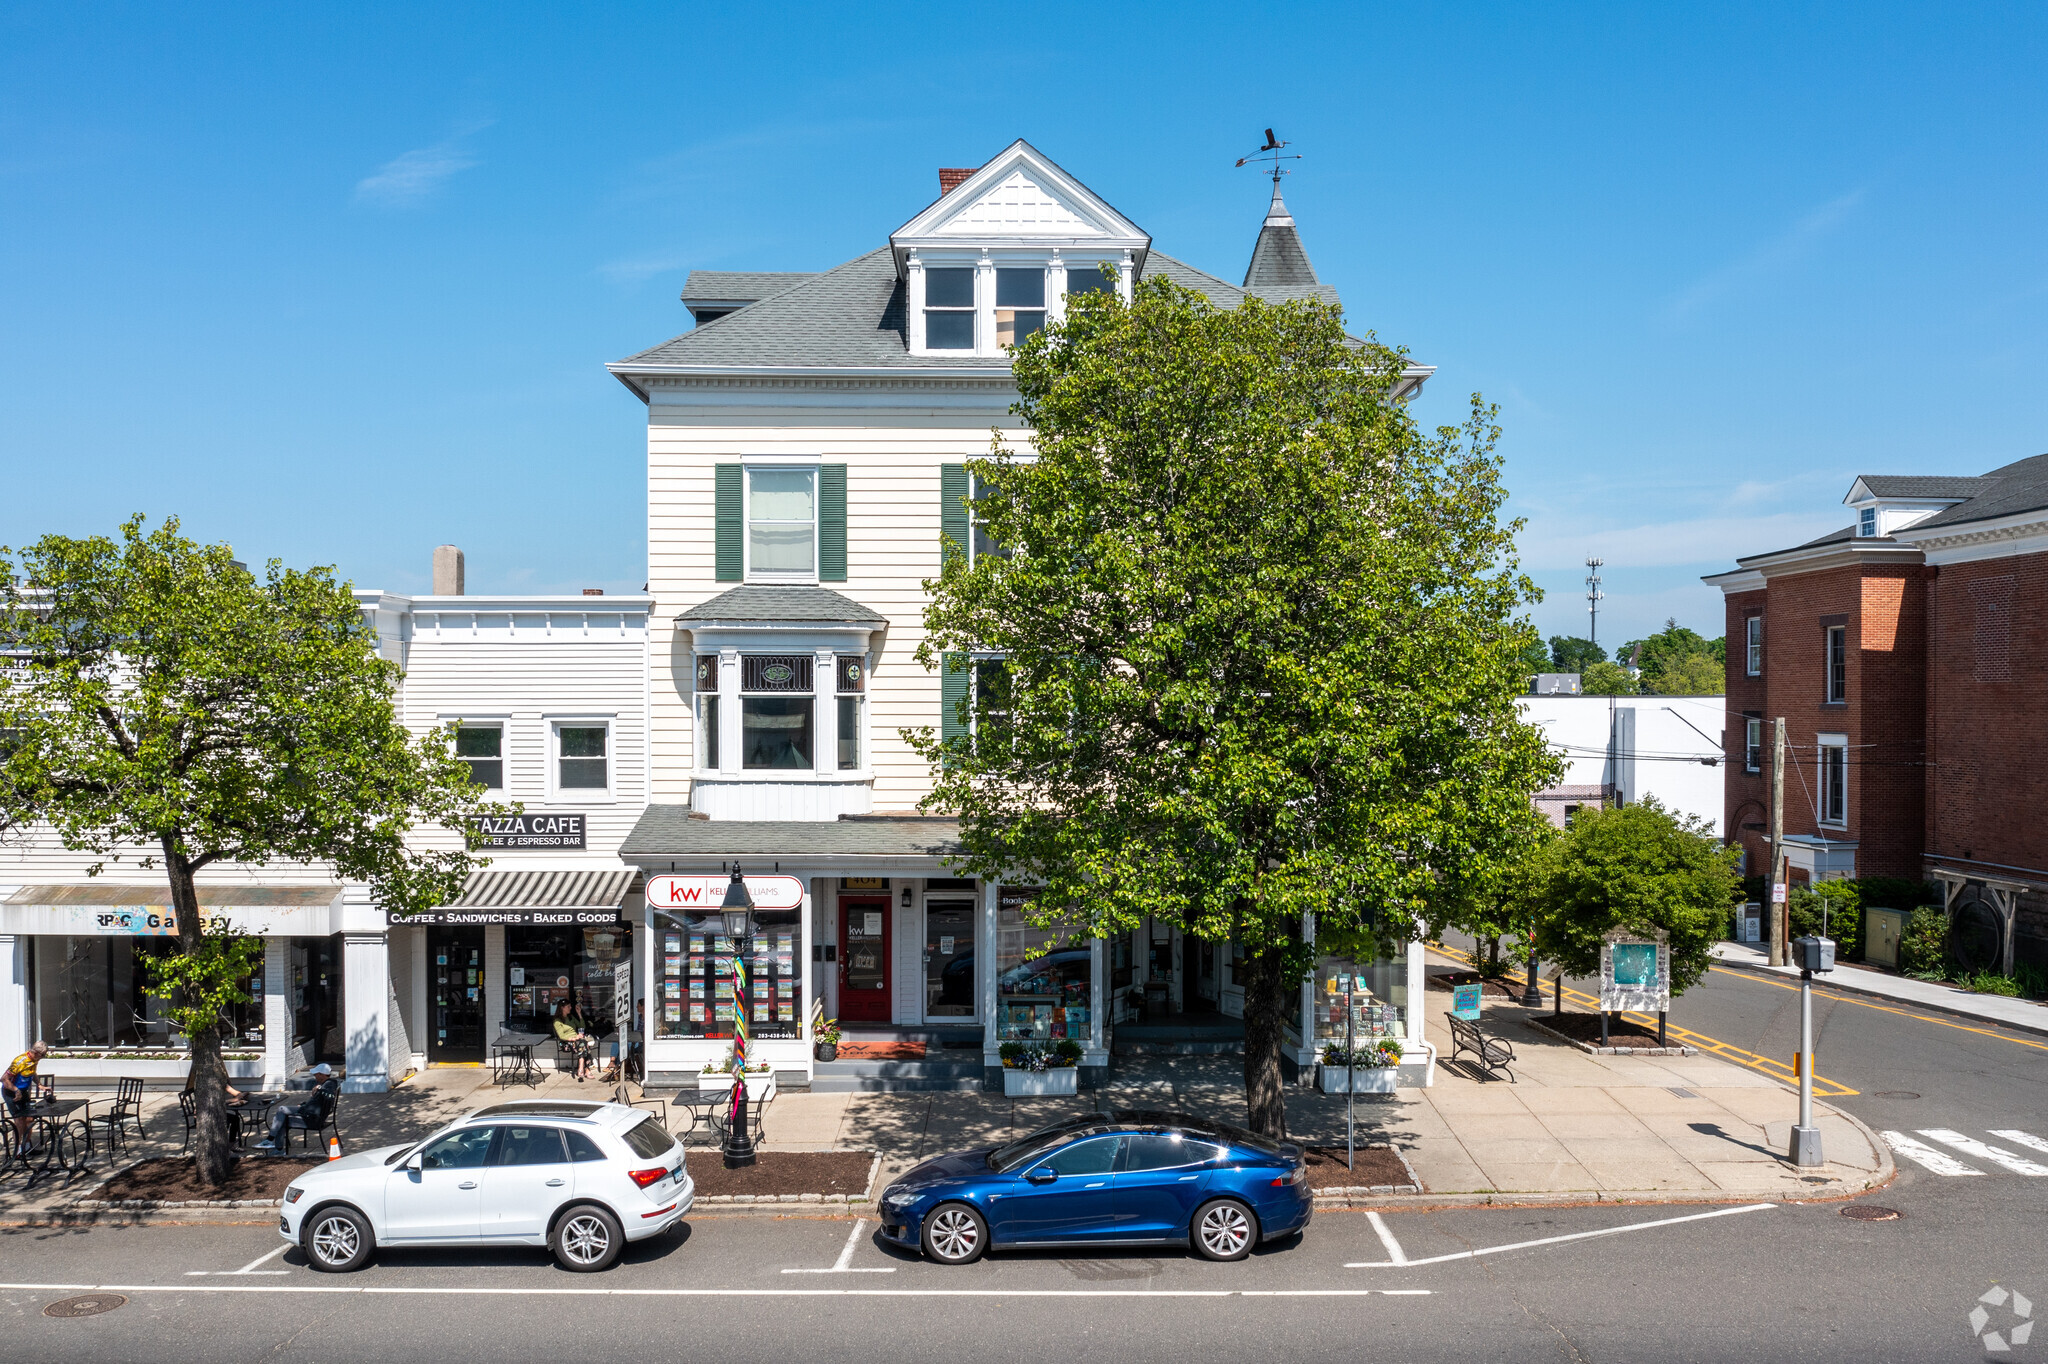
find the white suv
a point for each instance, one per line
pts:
(582, 1179)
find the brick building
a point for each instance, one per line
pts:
(1905, 655)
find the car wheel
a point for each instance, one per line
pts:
(955, 1234)
(586, 1240)
(1224, 1230)
(337, 1240)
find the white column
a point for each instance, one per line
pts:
(985, 306)
(729, 731)
(825, 711)
(1124, 282)
(494, 983)
(913, 305)
(277, 1011)
(366, 995)
(15, 1030)
(420, 1022)
(1055, 290)
(1418, 978)
(1307, 1054)
(985, 968)
(1093, 1053)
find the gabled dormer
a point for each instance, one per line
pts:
(1886, 503)
(995, 257)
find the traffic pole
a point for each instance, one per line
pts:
(1779, 920)
(1806, 1137)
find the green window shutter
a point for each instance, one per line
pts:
(953, 675)
(729, 523)
(953, 528)
(832, 523)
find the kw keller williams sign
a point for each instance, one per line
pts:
(708, 892)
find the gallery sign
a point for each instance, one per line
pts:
(707, 893)
(1635, 973)
(515, 832)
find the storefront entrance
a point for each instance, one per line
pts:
(864, 959)
(949, 958)
(455, 979)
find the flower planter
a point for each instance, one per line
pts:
(1059, 1080)
(826, 1051)
(1361, 1080)
(140, 1066)
(760, 1084)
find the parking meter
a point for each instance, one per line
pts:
(1813, 954)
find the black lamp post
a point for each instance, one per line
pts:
(737, 912)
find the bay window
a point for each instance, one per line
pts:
(852, 675)
(775, 711)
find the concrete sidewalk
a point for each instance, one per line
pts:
(2027, 1015)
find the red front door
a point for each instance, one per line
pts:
(864, 958)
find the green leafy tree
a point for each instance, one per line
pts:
(1639, 868)
(1606, 679)
(1679, 662)
(170, 708)
(1571, 654)
(1536, 658)
(1261, 637)
(1699, 674)
(1498, 900)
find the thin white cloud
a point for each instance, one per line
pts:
(1716, 541)
(411, 176)
(1767, 259)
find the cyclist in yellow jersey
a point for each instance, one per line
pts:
(16, 1083)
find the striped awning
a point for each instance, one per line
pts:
(535, 897)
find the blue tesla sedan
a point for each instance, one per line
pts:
(1106, 1179)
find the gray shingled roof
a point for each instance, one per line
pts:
(754, 603)
(1279, 260)
(2021, 486)
(740, 286)
(669, 831)
(1921, 485)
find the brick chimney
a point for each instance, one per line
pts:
(447, 571)
(951, 176)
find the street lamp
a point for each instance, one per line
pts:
(737, 912)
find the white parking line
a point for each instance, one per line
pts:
(1394, 1251)
(1997, 1155)
(1405, 1263)
(844, 1265)
(1936, 1162)
(249, 1268)
(373, 1291)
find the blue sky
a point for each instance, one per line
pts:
(337, 284)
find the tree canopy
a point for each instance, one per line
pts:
(1678, 662)
(1571, 654)
(1260, 642)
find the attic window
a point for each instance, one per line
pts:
(1866, 522)
(1089, 279)
(1020, 304)
(949, 309)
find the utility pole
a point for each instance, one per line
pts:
(1777, 910)
(1594, 596)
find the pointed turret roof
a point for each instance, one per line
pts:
(1280, 268)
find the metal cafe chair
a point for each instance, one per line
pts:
(126, 1109)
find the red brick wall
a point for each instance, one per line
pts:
(1747, 798)
(1987, 677)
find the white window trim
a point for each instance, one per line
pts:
(1822, 743)
(1749, 765)
(1753, 644)
(470, 719)
(777, 464)
(1827, 665)
(591, 795)
(984, 263)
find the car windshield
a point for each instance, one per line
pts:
(1009, 1156)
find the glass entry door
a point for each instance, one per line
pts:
(455, 980)
(949, 958)
(864, 958)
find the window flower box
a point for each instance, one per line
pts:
(760, 1083)
(1358, 1080)
(1036, 1083)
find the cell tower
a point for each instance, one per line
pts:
(1594, 596)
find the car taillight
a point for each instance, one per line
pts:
(645, 1177)
(1298, 1175)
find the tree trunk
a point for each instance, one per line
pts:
(212, 1149)
(1266, 997)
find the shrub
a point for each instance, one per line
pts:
(1833, 907)
(1923, 947)
(1385, 1052)
(1991, 983)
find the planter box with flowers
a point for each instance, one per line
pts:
(143, 1064)
(1373, 1069)
(719, 1078)
(1039, 1068)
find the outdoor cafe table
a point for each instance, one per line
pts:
(55, 1132)
(258, 1105)
(512, 1057)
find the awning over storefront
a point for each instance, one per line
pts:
(534, 897)
(113, 909)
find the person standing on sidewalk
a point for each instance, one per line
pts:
(18, 1082)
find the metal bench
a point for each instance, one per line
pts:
(1493, 1054)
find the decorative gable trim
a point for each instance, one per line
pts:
(1021, 198)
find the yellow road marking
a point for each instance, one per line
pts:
(1860, 1002)
(1778, 1070)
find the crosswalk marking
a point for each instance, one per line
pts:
(1997, 1155)
(1938, 1162)
(2020, 1138)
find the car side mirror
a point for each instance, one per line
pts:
(1041, 1176)
(415, 1162)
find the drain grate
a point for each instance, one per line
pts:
(1870, 1212)
(85, 1305)
(1893, 1094)
(1683, 1093)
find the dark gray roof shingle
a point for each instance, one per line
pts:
(754, 603)
(2021, 486)
(740, 286)
(1921, 485)
(669, 831)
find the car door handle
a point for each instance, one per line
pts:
(554, 1184)
(467, 1184)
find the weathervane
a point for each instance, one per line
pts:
(1273, 151)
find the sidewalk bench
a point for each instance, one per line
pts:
(1493, 1053)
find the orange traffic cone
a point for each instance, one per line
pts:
(334, 1148)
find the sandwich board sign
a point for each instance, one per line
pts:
(1465, 1002)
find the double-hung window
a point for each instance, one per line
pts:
(782, 525)
(1834, 780)
(949, 308)
(1020, 303)
(582, 756)
(982, 542)
(482, 746)
(1866, 522)
(1088, 279)
(775, 712)
(707, 712)
(1753, 633)
(1837, 663)
(1752, 743)
(991, 703)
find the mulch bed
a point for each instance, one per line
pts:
(175, 1179)
(1498, 987)
(1372, 1166)
(783, 1172)
(1586, 1028)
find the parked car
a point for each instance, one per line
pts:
(582, 1179)
(1120, 1178)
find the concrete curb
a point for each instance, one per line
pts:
(1845, 982)
(1591, 1050)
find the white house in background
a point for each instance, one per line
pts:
(1623, 748)
(552, 696)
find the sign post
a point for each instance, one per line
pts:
(1635, 975)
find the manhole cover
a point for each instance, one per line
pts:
(85, 1305)
(1870, 1212)
(1893, 1094)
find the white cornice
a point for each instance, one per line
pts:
(1741, 580)
(2001, 537)
(1833, 554)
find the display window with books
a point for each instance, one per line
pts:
(700, 983)
(1376, 991)
(1043, 975)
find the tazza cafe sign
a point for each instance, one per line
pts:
(530, 831)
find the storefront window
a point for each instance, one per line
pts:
(695, 981)
(1378, 992)
(95, 991)
(315, 997)
(1042, 975)
(546, 965)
